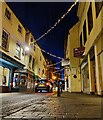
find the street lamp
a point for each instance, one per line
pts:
(54, 77)
(27, 48)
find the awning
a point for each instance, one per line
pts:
(5, 59)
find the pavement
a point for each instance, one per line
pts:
(69, 106)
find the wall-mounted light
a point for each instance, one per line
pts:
(27, 48)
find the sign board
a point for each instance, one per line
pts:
(78, 52)
(65, 62)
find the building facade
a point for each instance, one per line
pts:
(11, 45)
(72, 71)
(18, 64)
(90, 37)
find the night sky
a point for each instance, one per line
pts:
(38, 17)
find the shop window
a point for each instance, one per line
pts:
(4, 80)
(98, 6)
(33, 64)
(16, 81)
(84, 32)
(19, 28)
(18, 50)
(5, 40)
(90, 19)
(8, 14)
(81, 40)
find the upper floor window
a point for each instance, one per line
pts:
(33, 64)
(90, 19)
(98, 6)
(34, 47)
(81, 40)
(18, 50)
(40, 58)
(39, 71)
(7, 14)
(84, 32)
(19, 28)
(31, 39)
(5, 37)
(30, 58)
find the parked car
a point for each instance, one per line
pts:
(43, 84)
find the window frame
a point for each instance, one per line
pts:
(30, 59)
(81, 43)
(3, 39)
(33, 64)
(84, 32)
(19, 28)
(90, 18)
(98, 8)
(18, 51)
(8, 13)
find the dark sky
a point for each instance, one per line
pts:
(38, 17)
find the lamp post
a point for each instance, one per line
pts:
(58, 88)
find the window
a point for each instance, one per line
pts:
(84, 32)
(18, 50)
(31, 39)
(23, 52)
(5, 40)
(33, 64)
(39, 71)
(98, 6)
(90, 19)
(34, 46)
(30, 58)
(40, 58)
(19, 28)
(81, 40)
(8, 14)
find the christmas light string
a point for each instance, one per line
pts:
(58, 70)
(58, 21)
(49, 53)
(54, 64)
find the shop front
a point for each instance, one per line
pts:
(85, 79)
(7, 67)
(19, 82)
(23, 80)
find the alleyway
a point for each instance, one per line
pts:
(47, 106)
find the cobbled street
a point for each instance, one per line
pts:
(47, 106)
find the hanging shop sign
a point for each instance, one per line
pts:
(65, 62)
(78, 52)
